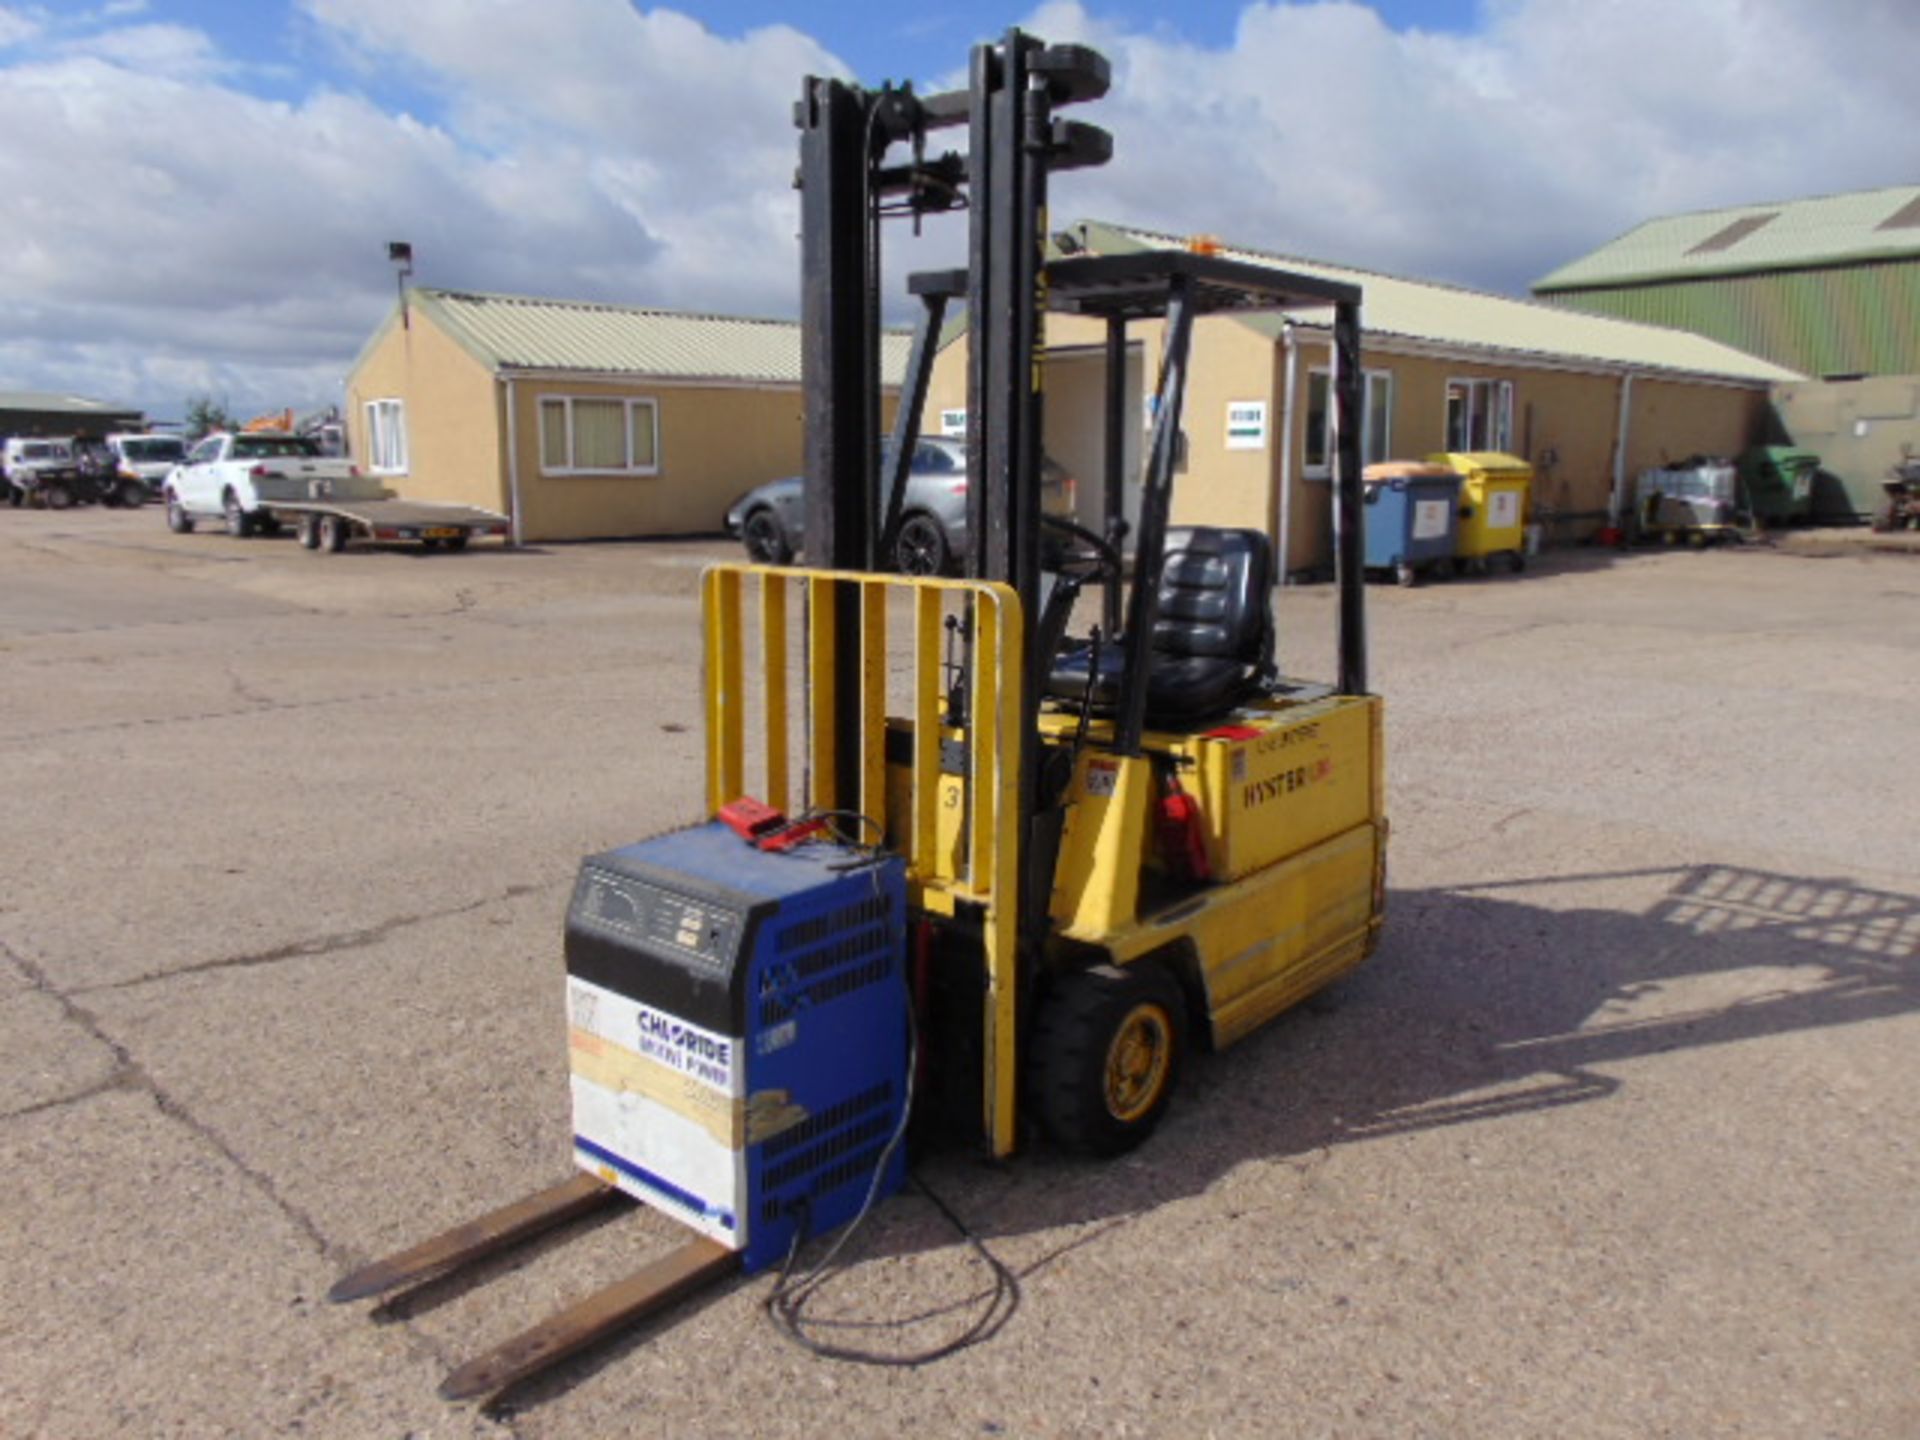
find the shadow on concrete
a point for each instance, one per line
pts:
(1480, 1004)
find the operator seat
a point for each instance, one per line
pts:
(1212, 635)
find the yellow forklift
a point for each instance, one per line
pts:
(992, 850)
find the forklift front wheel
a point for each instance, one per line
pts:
(1106, 1056)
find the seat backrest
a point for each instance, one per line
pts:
(1214, 598)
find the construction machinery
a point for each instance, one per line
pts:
(994, 851)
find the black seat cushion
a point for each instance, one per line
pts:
(1212, 636)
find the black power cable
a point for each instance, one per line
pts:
(785, 1304)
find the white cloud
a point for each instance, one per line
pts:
(177, 52)
(1493, 158)
(166, 230)
(18, 26)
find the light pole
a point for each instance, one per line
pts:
(401, 254)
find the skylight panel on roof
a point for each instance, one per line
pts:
(1731, 235)
(1907, 217)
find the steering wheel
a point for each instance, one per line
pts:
(1079, 553)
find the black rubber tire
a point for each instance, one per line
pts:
(1085, 1019)
(1405, 576)
(57, 495)
(921, 547)
(239, 523)
(1516, 561)
(268, 525)
(456, 543)
(133, 493)
(765, 538)
(178, 520)
(333, 534)
(307, 532)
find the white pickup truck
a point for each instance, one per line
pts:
(260, 481)
(235, 476)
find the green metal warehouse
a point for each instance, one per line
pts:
(1828, 286)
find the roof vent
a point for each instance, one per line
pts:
(1729, 236)
(1907, 217)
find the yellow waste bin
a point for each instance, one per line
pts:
(1493, 505)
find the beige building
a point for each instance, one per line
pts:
(1586, 399)
(579, 420)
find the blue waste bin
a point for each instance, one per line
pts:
(1412, 512)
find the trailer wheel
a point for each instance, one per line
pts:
(333, 534)
(307, 530)
(1106, 1051)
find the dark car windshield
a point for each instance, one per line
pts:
(164, 448)
(263, 447)
(930, 457)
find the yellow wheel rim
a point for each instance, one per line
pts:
(1139, 1060)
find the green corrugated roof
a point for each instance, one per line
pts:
(1782, 235)
(50, 402)
(516, 332)
(1449, 315)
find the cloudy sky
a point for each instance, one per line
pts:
(196, 195)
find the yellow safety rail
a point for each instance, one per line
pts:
(746, 703)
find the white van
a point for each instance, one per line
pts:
(147, 458)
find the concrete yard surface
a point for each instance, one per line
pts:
(1618, 1135)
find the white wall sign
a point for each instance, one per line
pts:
(1246, 425)
(953, 422)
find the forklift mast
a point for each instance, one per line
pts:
(853, 504)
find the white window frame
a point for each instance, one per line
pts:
(1499, 399)
(1308, 468)
(1324, 469)
(1383, 378)
(387, 436)
(632, 403)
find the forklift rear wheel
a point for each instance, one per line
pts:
(921, 548)
(766, 542)
(309, 532)
(1106, 1055)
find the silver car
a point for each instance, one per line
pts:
(770, 519)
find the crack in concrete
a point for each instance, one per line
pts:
(130, 1075)
(317, 946)
(21, 739)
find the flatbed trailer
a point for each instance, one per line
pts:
(327, 524)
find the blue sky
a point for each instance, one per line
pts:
(205, 200)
